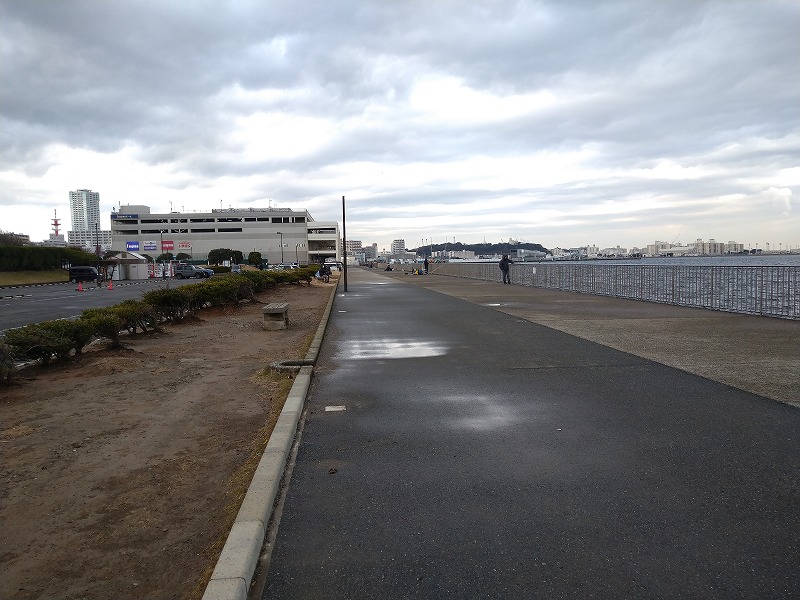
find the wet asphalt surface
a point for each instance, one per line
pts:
(480, 455)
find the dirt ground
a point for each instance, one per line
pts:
(123, 470)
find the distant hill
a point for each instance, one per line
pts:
(480, 249)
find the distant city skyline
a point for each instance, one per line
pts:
(94, 197)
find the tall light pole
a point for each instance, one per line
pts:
(97, 238)
(280, 233)
(163, 269)
(344, 245)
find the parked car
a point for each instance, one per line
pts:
(77, 274)
(182, 271)
(236, 269)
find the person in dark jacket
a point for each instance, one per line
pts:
(504, 264)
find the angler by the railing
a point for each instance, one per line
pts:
(770, 291)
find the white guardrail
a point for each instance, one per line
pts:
(772, 291)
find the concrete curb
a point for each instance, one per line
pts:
(237, 563)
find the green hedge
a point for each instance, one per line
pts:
(41, 258)
(59, 338)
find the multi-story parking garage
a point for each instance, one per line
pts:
(281, 235)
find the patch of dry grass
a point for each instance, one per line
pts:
(33, 277)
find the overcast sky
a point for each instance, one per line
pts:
(562, 122)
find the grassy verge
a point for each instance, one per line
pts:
(31, 277)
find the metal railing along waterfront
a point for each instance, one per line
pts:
(770, 291)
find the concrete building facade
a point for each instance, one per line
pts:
(281, 235)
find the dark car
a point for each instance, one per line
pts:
(77, 274)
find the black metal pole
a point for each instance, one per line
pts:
(344, 246)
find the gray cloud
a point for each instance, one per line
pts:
(671, 104)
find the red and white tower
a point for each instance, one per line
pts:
(56, 222)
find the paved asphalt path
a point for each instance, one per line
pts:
(22, 305)
(484, 456)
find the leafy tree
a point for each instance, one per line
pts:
(10, 239)
(167, 256)
(254, 258)
(220, 255)
(184, 256)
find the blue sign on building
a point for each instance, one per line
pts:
(132, 246)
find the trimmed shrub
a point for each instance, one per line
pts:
(260, 280)
(170, 304)
(77, 332)
(104, 322)
(136, 315)
(307, 273)
(38, 341)
(219, 291)
(6, 362)
(286, 276)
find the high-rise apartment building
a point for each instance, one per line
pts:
(353, 246)
(85, 232)
(85, 208)
(398, 246)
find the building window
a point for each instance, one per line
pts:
(230, 229)
(280, 219)
(201, 220)
(203, 230)
(150, 231)
(250, 219)
(298, 219)
(153, 221)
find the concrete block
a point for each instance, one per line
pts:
(276, 316)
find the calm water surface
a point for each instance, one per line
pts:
(764, 260)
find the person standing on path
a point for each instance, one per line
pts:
(425, 264)
(504, 265)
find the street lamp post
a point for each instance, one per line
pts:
(296, 254)
(280, 233)
(344, 245)
(163, 269)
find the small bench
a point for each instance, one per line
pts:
(276, 316)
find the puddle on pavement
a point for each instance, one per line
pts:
(388, 348)
(479, 413)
